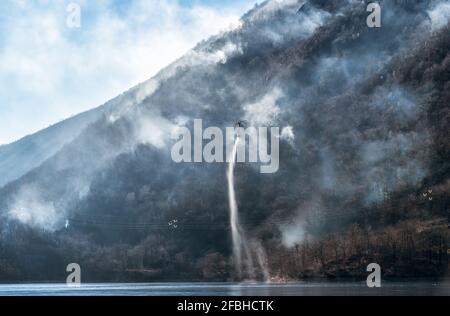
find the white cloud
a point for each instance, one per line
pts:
(49, 72)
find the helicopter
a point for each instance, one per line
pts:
(241, 123)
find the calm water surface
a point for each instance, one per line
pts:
(229, 289)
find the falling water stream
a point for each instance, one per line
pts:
(241, 249)
(234, 220)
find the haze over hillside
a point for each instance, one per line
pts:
(364, 170)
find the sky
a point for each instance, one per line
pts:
(51, 70)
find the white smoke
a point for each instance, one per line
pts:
(273, 5)
(292, 234)
(265, 111)
(287, 134)
(297, 25)
(29, 207)
(439, 15)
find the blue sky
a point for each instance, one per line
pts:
(49, 71)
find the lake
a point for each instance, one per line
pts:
(230, 289)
